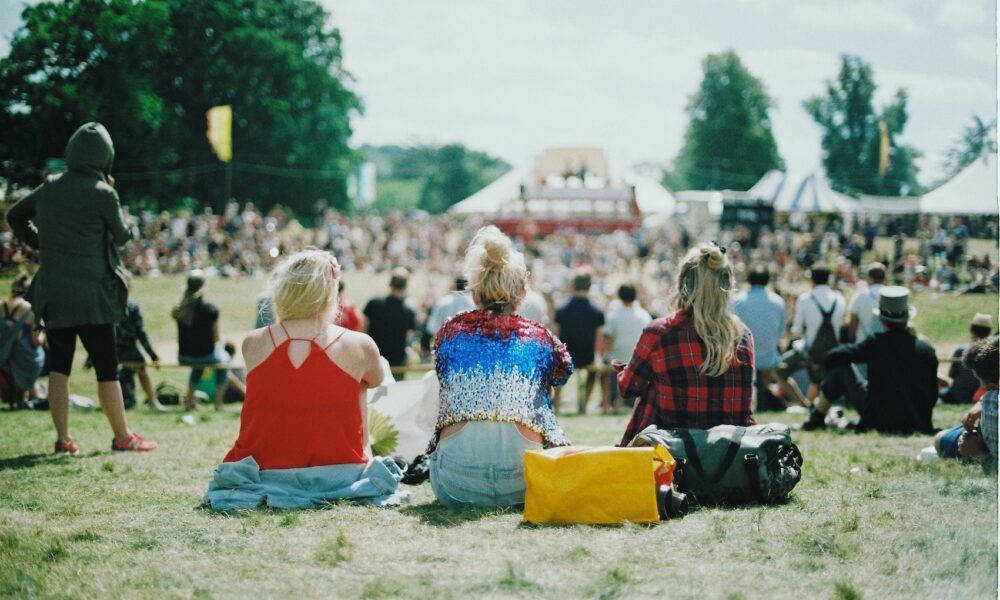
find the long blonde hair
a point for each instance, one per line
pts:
(305, 285)
(496, 271)
(704, 285)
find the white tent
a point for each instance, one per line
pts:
(494, 196)
(972, 192)
(810, 194)
(504, 195)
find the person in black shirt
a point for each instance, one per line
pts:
(391, 321)
(129, 334)
(900, 390)
(580, 323)
(198, 339)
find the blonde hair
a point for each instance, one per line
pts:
(704, 285)
(304, 285)
(496, 271)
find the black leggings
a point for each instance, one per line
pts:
(98, 340)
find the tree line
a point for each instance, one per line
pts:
(729, 144)
(149, 71)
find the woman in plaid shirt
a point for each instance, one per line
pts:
(693, 368)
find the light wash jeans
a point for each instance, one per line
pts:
(481, 465)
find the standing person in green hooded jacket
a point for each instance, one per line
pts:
(75, 222)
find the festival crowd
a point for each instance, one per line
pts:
(655, 319)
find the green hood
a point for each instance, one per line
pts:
(90, 150)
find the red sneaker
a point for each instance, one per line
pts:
(68, 447)
(133, 443)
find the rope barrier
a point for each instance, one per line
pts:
(404, 370)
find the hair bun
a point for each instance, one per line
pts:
(714, 258)
(496, 251)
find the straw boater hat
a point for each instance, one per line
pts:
(983, 320)
(894, 304)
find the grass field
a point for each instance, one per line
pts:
(867, 520)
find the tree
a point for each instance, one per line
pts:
(728, 143)
(149, 71)
(851, 137)
(977, 138)
(432, 178)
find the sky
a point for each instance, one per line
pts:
(512, 77)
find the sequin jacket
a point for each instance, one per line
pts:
(499, 368)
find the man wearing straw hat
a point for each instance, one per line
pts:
(900, 389)
(963, 381)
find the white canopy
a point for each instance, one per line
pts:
(494, 196)
(810, 194)
(505, 192)
(972, 192)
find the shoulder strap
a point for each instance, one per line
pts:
(273, 343)
(826, 314)
(336, 339)
(691, 449)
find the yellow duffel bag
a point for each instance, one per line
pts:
(600, 485)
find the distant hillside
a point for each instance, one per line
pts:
(431, 178)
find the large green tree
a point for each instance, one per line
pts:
(851, 137)
(149, 70)
(728, 143)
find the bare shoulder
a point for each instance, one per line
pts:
(257, 346)
(359, 341)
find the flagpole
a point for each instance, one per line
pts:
(228, 187)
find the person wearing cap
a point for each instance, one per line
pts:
(862, 323)
(900, 389)
(963, 381)
(75, 222)
(449, 305)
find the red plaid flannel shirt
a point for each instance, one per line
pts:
(671, 393)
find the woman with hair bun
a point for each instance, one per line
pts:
(496, 371)
(305, 403)
(693, 368)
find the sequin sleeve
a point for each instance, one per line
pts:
(562, 363)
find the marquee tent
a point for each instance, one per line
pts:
(973, 191)
(810, 194)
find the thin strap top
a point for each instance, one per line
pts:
(302, 416)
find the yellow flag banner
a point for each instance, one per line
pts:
(220, 131)
(883, 148)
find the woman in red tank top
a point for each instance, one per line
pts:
(306, 379)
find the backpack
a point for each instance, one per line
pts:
(826, 337)
(730, 464)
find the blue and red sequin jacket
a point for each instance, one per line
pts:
(500, 368)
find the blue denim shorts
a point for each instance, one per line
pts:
(949, 443)
(482, 464)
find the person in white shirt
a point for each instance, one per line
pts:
(861, 321)
(534, 307)
(810, 308)
(448, 306)
(623, 326)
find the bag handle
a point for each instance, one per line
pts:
(727, 460)
(752, 466)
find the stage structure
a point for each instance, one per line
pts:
(568, 188)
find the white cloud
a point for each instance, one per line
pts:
(499, 77)
(962, 14)
(978, 48)
(853, 15)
